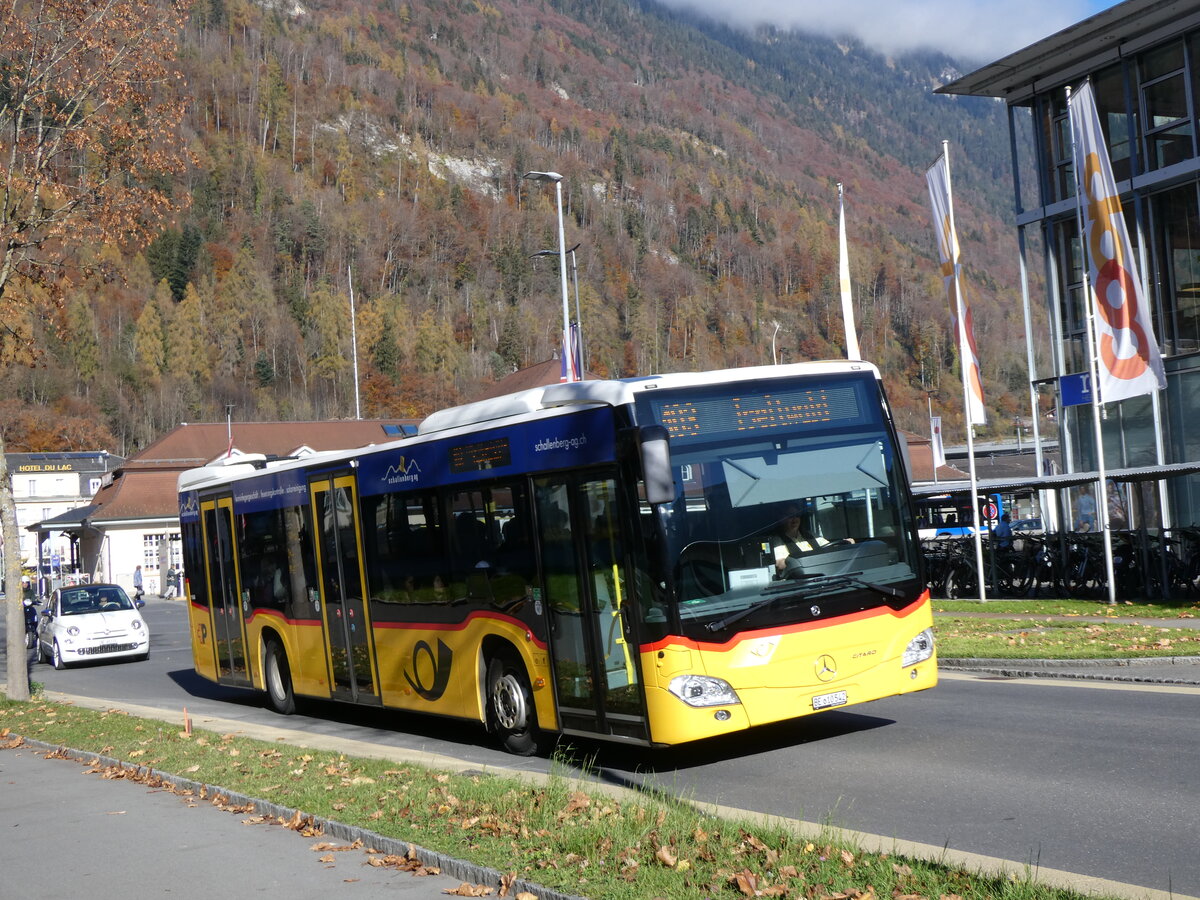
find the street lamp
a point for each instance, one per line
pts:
(571, 375)
(578, 313)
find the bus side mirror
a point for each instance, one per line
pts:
(655, 450)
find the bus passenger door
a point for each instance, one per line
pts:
(228, 624)
(592, 642)
(339, 572)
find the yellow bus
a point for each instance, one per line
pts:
(601, 558)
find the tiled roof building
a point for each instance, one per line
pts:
(134, 518)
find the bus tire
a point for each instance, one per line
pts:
(510, 712)
(278, 678)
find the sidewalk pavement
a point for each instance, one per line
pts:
(69, 833)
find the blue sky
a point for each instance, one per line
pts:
(978, 30)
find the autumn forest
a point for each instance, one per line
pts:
(375, 148)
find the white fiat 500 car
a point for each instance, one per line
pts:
(91, 622)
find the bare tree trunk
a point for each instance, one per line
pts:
(18, 657)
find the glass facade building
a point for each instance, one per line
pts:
(1143, 60)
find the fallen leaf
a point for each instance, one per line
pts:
(746, 882)
(579, 801)
(666, 857)
(469, 890)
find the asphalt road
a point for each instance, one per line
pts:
(1084, 777)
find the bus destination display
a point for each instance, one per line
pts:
(481, 456)
(759, 411)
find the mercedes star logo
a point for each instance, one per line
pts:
(826, 667)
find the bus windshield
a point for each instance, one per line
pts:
(793, 504)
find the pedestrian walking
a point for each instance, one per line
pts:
(172, 580)
(138, 593)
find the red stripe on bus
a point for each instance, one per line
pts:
(714, 647)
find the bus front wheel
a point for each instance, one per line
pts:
(279, 679)
(510, 711)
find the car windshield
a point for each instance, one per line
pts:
(80, 601)
(800, 523)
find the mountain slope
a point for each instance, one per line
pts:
(384, 141)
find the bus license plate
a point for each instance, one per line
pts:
(825, 701)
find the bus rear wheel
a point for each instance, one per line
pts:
(510, 712)
(278, 678)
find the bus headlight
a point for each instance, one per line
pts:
(703, 690)
(919, 649)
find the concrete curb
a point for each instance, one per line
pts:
(1182, 670)
(1139, 662)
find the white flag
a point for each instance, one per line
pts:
(1126, 353)
(935, 443)
(852, 351)
(938, 178)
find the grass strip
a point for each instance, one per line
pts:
(558, 833)
(1034, 638)
(1183, 609)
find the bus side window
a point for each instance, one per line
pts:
(406, 561)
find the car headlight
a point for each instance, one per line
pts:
(136, 624)
(919, 649)
(703, 690)
(73, 631)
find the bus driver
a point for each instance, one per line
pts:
(793, 539)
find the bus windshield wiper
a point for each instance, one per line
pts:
(811, 584)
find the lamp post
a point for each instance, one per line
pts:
(572, 375)
(578, 313)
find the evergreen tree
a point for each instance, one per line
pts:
(82, 342)
(185, 342)
(148, 343)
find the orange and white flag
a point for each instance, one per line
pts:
(1127, 354)
(938, 178)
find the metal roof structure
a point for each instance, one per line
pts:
(1056, 482)
(1089, 45)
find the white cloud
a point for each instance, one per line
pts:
(980, 30)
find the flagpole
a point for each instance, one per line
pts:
(965, 359)
(935, 439)
(354, 343)
(1027, 318)
(852, 351)
(1093, 373)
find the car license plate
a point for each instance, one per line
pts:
(825, 701)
